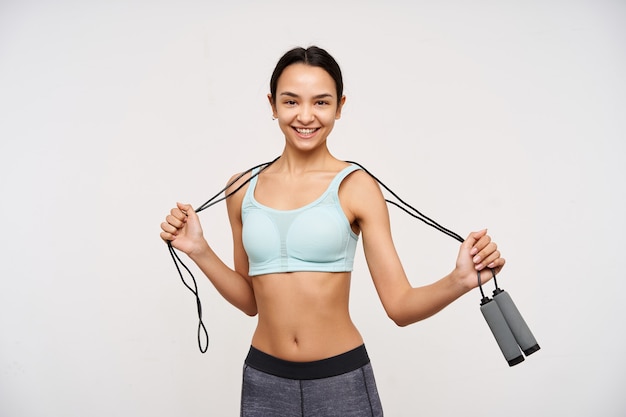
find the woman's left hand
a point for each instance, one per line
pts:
(478, 253)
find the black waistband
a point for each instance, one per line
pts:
(324, 368)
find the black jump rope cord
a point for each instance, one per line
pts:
(401, 204)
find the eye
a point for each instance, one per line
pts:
(290, 102)
(322, 103)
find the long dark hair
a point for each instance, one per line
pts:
(313, 56)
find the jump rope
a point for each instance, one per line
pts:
(511, 332)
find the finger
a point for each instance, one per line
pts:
(482, 243)
(484, 252)
(168, 228)
(489, 261)
(178, 214)
(185, 208)
(175, 221)
(473, 238)
(497, 265)
(167, 236)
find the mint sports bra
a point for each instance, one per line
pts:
(316, 237)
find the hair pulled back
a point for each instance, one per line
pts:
(313, 56)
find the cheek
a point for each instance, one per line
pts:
(326, 115)
(285, 126)
(287, 113)
(328, 118)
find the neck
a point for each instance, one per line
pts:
(295, 162)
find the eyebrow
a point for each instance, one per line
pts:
(294, 95)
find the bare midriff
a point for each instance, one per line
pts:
(304, 316)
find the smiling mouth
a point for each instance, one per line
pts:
(308, 131)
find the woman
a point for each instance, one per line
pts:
(295, 227)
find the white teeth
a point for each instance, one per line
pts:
(306, 131)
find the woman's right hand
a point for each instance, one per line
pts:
(182, 228)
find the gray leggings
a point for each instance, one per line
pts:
(349, 394)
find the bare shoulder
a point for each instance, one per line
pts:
(236, 188)
(237, 180)
(361, 184)
(361, 195)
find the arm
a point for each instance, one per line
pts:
(403, 303)
(182, 227)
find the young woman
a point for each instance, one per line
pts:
(295, 227)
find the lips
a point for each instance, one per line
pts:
(307, 131)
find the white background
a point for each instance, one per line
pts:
(506, 115)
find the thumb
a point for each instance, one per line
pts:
(185, 208)
(188, 211)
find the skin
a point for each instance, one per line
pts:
(304, 316)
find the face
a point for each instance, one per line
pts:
(306, 105)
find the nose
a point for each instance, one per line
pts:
(306, 114)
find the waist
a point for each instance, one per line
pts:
(323, 368)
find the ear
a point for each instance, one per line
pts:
(274, 113)
(339, 107)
